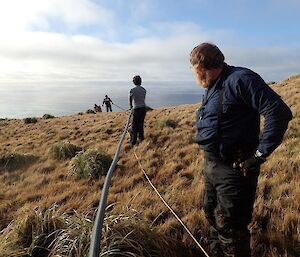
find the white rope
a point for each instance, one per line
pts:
(166, 204)
(120, 107)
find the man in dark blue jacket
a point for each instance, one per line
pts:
(228, 128)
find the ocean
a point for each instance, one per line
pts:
(66, 98)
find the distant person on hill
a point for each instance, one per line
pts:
(228, 129)
(107, 102)
(97, 108)
(137, 102)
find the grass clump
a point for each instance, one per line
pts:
(47, 116)
(15, 161)
(167, 123)
(42, 233)
(3, 122)
(90, 111)
(294, 77)
(131, 236)
(63, 151)
(91, 163)
(30, 120)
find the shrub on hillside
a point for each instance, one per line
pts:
(3, 122)
(89, 111)
(30, 120)
(48, 116)
(63, 151)
(14, 161)
(167, 123)
(91, 163)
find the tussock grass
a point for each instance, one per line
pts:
(291, 78)
(15, 161)
(90, 111)
(63, 150)
(47, 116)
(42, 233)
(167, 123)
(30, 120)
(33, 234)
(3, 122)
(90, 163)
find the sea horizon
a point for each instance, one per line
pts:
(21, 100)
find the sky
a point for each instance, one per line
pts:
(112, 40)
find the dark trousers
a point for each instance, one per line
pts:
(228, 206)
(108, 108)
(137, 125)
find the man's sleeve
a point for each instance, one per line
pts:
(130, 98)
(130, 92)
(258, 95)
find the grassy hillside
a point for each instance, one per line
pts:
(40, 195)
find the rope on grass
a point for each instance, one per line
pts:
(168, 206)
(120, 107)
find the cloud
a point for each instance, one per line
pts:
(53, 56)
(140, 9)
(19, 15)
(32, 47)
(35, 56)
(272, 63)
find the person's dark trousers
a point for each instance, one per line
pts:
(137, 125)
(108, 108)
(228, 206)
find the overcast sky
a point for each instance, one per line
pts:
(86, 40)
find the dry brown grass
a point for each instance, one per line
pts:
(63, 151)
(45, 232)
(173, 163)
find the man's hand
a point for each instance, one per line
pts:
(251, 164)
